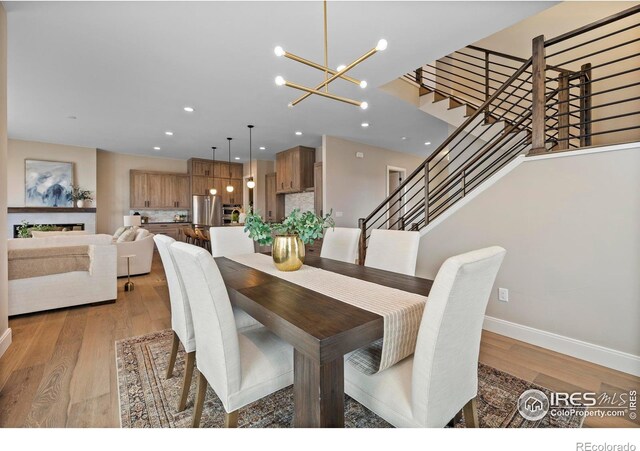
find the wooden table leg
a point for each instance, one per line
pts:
(318, 392)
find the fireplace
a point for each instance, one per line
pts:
(52, 227)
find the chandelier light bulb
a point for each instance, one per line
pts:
(364, 105)
(340, 67)
(382, 45)
(280, 81)
(363, 84)
(229, 189)
(279, 51)
(213, 191)
(251, 184)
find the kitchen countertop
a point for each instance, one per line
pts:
(166, 222)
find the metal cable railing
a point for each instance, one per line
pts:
(583, 92)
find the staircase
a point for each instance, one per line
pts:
(575, 87)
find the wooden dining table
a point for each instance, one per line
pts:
(320, 329)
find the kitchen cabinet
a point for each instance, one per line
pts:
(199, 185)
(294, 170)
(138, 189)
(181, 191)
(274, 205)
(221, 170)
(158, 190)
(202, 168)
(234, 197)
(317, 188)
(170, 229)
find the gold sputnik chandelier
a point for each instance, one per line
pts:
(322, 89)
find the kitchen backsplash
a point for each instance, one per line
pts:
(303, 201)
(161, 215)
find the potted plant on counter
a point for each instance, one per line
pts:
(80, 196)
(288, 237)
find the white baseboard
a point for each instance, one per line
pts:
(621, 361)
(5, 341)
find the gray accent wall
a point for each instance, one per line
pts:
(571, 228)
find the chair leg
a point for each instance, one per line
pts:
(199, 404)
(172, 357)
(470, 410)
(186, 383)
(231, 419)
(455, 420)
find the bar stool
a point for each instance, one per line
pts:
(203, 239)
(189, 235)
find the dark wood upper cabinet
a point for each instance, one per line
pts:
(294, 170)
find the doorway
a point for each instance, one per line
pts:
(395, 176)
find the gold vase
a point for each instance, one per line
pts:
(288, 252)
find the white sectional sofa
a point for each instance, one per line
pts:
(66, 289)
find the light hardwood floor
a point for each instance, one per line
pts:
(60, 369)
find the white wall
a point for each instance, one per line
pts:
(571, 227)
(355, 186)
(5, 333)
(84, 167)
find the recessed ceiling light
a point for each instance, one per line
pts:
(188, 109)
(298, 133)
(262, 148)
(168, 133)
(427, 143)
(365, 124)
(156, 148)
(404, 138)
(237, 158)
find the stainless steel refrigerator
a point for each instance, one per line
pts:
(206, 210)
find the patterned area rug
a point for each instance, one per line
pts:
(148, 400)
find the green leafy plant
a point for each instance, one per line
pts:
(24, 230)
(78, 193)
(307, 226)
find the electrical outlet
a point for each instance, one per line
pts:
(503, 294)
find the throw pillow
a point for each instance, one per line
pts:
(141, 234)
(119, 232)
(127, 235)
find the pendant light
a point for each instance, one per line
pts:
(213, 191)
(250, 182)
(229, 186)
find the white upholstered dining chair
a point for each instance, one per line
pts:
(181, 321)
(240, 366)
(230, 240)
(340, 243)
(430, 388)
(393, 250)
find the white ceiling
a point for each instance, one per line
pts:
(127, 69)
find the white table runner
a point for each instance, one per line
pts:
(401, 310)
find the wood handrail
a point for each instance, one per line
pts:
(447, 141)
(592, 26)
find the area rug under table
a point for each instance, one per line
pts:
(148, 400)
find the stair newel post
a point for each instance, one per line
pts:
(563, 111)
(538, 66)
(585, 105)
(362, 248)
(401, 223)
(419, 76)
